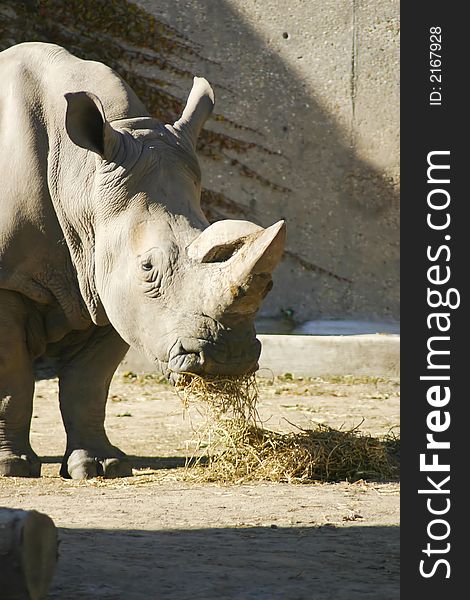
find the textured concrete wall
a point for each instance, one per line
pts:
(318, 81)
(306, 124)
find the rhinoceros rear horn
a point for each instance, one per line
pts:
(260, 253)
(246, 255)
(250, 271)
(198, 107)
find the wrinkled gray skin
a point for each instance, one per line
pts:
(103, 245)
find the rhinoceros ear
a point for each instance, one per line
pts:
(86, 123)
(198, 107)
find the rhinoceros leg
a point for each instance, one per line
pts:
(17, 458)
(83, 390)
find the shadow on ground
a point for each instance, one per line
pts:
(243, 563)
(137, 462)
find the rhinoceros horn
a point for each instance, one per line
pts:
(246, 255)
(198, 108)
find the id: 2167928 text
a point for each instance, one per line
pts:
(435, 66)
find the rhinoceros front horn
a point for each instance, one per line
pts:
(198, 107)
(245, 255)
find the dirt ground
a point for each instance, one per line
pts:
(154, 536)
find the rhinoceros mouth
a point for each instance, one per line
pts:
(214, 359)
(186, 362)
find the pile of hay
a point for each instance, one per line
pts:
(231, 445)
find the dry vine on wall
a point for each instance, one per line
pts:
(129, 40)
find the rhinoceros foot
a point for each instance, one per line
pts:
(24, 465)
(83, 464)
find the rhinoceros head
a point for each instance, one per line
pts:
(182, 291)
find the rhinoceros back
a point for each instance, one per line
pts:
(35, 72)
(36, 153)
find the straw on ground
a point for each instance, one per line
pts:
(231, 445)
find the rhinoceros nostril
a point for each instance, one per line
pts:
(202, 358)
(267, 289)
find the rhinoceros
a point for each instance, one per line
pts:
(103, 245)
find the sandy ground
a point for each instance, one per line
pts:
(154, 536)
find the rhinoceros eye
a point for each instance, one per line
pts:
(151, 277)
(146, 266)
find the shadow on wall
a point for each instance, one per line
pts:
(113, 32)
(342, 258)
(261, 563)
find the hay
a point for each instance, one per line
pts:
(237, 448)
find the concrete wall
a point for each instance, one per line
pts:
(306, 124)
(313, 356)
